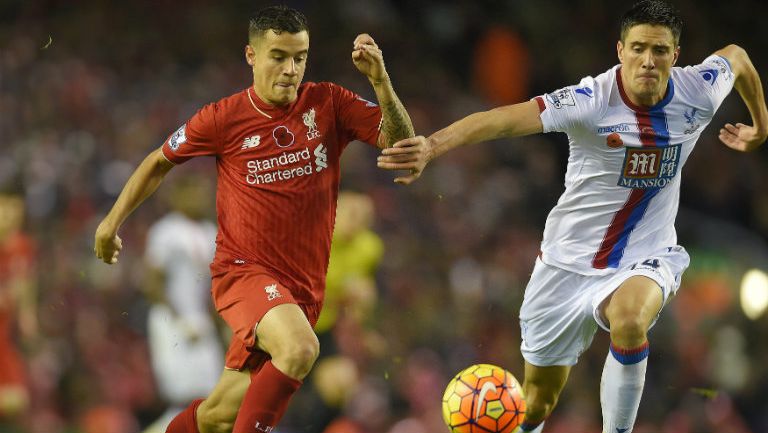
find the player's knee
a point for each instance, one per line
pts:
(628, 332)
(216, 418)
(298, 356)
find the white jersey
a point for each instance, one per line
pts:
(183, 249)
(622, 185)
(185, 368)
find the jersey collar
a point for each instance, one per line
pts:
(268, 110)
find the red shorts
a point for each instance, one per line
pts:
(242, 294)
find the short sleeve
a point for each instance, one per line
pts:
(570, 107)
(713, 78)
(197, 137)
(358, 118)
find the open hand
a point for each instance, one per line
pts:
(741, 137)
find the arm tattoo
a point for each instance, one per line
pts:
(395, 123)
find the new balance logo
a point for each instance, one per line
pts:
(321, 160)
(250, 142)
(272, 293)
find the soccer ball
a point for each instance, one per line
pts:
(483, 398)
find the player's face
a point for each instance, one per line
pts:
(278, 62)
(647, 55)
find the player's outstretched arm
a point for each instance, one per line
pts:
(504, 122)
(743, 137)
(395, 122)
(142, 183)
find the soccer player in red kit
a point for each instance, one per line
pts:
(277, 145)
(18, 302)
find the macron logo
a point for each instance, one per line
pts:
(249, 142)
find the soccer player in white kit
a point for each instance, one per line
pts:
(184, 346)
(609, 256)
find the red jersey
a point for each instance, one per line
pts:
(278, 176)
(17, 258)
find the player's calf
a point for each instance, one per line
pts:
(216, 418)
(539, 403)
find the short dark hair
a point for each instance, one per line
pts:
(278, 19)
(655, 13)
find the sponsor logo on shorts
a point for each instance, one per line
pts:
(263, 427)
(272, 294)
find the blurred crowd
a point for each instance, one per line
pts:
(88, 88)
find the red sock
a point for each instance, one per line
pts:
(265, 400)
(186, 421)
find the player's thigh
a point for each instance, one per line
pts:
(285, 329)
(638, 292)
(223, 403)
(638, 300)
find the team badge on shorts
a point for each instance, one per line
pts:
(649, 167)
(272, 292)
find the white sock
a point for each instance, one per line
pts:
(538, 428)
(621, 387)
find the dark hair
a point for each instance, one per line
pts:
(278, 19)
(655, 13)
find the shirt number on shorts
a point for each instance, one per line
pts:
(650, 263)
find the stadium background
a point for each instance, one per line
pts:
(79, 112)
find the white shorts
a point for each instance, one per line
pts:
(560, 311)
(184, 370)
